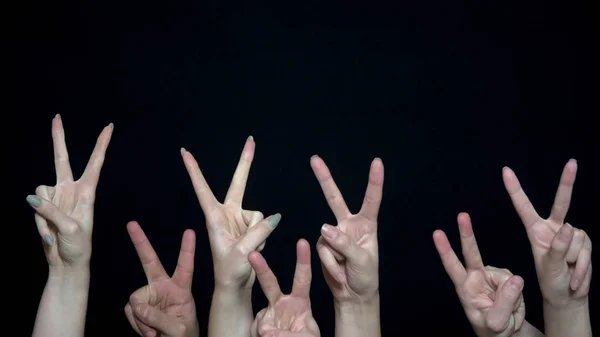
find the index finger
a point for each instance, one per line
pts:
(303, 273)
(372, 200)
(150, 261)
(330, 190)
(205, 196)
(468, 242)
(519, 199)
(61, 155)
(94, 166)
(266, 278)
(235, 194)
(452, 264)
(184, 272)
(562, 200)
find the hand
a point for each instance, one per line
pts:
(165, 307)
(349, 251)
(65, 212)
(492, 297)
(233, 232)
(287, 315)
(562, 254)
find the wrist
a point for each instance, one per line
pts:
(357, 306)
(232, 294)
(568, 307)
(68, 274)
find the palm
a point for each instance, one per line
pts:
(228, 223)
(171, 298)
(74, 200)
(542, 233)
(288, 313)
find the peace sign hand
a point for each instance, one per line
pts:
(349, 251)
(65, 212)
(492, 298)
(233, 232)
(562, 254)
(165, 307)
(287, 315)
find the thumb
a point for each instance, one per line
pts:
(48, 211)
(559, 247)
(499, 314)
(340, 242)
(158, 320)
(257, 234)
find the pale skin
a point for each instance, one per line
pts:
(562, 255)
(233, 233)
(491, 297)
(286, 315)
(64, 218)
(349, 253)
(165, 307)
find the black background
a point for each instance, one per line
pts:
(445, 92)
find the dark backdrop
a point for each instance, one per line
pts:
(445, 92)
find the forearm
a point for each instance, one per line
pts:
(528, 330)
(568, 321)
(358, 319)
(230, 313)
(63, 305)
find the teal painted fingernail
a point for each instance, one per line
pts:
(182, 150)
(34, 200)
(274, 220)
(48, 240)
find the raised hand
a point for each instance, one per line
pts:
(492, 297)
(349, 251)
(165, 307)
(65, 212)
(287, 315)
(562, 254)
(233, 232)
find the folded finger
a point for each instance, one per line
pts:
(49, 212)
(576, 245)
(258, 234)
(330, 264)
(584, 261)
(498, 316)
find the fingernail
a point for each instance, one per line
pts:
(328, 231)
(516, 283)
(250, 137)
(274, 220)
(111, 125)
(57, 116)
(182, 150)
(34, 200)
(48, 240)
